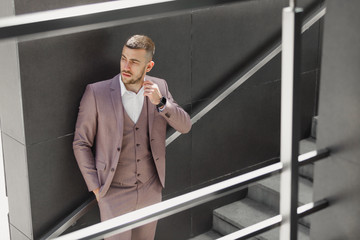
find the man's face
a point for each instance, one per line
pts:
(133, 65)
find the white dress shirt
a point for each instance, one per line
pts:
(132, 102)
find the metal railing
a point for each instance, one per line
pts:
(57, 230)
(94, 16)
(252, 69)
(186, 201)
(275, 221)
(214, 101)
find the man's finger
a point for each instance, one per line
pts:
(150, 90)
(148, 82)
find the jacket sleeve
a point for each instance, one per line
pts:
(85, 132)
(175, 115)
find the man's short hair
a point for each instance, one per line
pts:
(141, 42)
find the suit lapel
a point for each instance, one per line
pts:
(115, 92)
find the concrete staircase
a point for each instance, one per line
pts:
(262, 202)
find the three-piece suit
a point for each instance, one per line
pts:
(125, 160)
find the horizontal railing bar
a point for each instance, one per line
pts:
(313, 156)
(319, 13)
(228, 90)
(69, 220)
(305, 158)
(274, 222)
(254, 229)
(310, 208)
(172, 206)
(97, 15)
(252, 70)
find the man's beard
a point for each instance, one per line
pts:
(135, 81)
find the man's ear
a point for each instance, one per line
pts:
(149, 66)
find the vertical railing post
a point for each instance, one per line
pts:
(290, 120)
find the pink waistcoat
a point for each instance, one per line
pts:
(135, 162)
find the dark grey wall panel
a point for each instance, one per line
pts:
(226, 38)
(309, 82)
(337, 178)
(178, 166)
(310, 48)
(55, 71)
(175, 227)
(56, 184)
(241, 131)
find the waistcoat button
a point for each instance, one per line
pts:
(112, 169)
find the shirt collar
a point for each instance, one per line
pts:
(122, 86)
(124, 90)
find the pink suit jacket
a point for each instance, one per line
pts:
(99, 128)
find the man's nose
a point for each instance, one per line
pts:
(126, 65)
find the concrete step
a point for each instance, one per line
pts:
(262, 203)
(210, 235)
(241, 214)
(307, 145)
(267, 192)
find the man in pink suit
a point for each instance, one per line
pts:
(119, 140)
